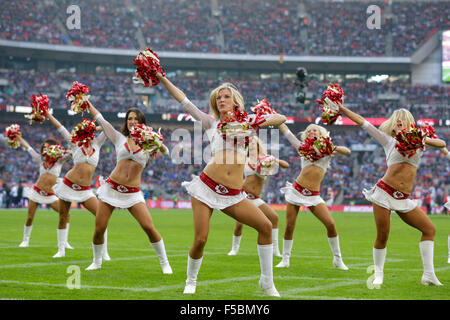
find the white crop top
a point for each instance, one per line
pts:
(250, 170)
(219, 144)
(388, 143)
(124, 152)
(120, 142)
(55, 169)
(78, 153)
(323, 163)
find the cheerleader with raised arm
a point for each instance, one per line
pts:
(76, 184)
(122, 188)
(50, 161)
(403, 144)
(220, 184)
(305, 191)
(256, 172)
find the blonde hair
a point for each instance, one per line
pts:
(323, 132)
(399, 114)
(235, 95)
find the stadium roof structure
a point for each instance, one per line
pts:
(221, 60)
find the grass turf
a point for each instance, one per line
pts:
(134, 272)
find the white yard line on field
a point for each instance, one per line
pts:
(288, 294)
(88, 261)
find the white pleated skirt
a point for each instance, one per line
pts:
(35, 196)
(118, 199)
(66, 193)
(200, 191)
(294, 197)
(383, 199)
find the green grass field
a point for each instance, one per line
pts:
(134, 271)
(446, 75)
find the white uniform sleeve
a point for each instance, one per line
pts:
(292, 139)
(197, 114)
(100, 139)
(63, 131)
(36, 156)
(378, 135)
(108, 129)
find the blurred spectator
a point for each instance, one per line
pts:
(296, 27)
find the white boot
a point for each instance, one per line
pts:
(276, 251)
(287, 248)
(105, 249)
(235, 245)
(68, 246)
(98, 254)
(193, 267)
(61, 236)
(265, 253)
(161, 253)
(379, 257)
(336, 250)
(26, 236)
(427, 253)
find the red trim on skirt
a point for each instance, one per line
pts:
(251, 196)
(121, 188)
(305, 191)
(75, 186)
(217, 187)
(391, 191)
(42, 192)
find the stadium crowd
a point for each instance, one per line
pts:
(235, 26)
(346, 178)
(114, 92)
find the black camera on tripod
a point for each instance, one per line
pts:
(301, 83)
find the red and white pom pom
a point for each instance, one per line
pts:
(149, 140)
(315, 149)
(53, 153)
(429, 131)
(83, 133)
(239, 124)
(147, 66)
(11, 133)
(409, 141)
(263, 108)
(240, 127)
(266, 164)
(39, 108)
(77, 95)
(330, 97)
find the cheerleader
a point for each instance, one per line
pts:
(76, 184)
(220, 184)
(122, 188)
(253, 185)
(41, 192)
(305, 191)
(392, 191)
